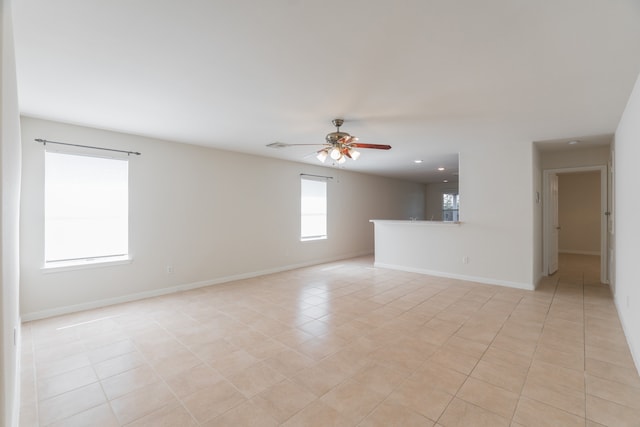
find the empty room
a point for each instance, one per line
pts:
(296, 213)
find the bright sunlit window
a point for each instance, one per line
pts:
(313, 209)
(86, 209)
(450, 206)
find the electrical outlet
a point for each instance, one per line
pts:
(465, 259)
(169, 269)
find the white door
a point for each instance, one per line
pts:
(555, 226)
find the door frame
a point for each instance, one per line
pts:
(547, 215)
(551, 223)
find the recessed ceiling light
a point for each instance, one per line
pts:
(574, 142)
(446, 180)
(441, 169)
(418, 161)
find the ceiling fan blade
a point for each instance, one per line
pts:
(284, 145)
(376, 146)
(347, 140)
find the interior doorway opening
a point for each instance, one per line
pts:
(575, 216)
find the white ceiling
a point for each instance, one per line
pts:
(425, 76)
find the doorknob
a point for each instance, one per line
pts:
(557, 228)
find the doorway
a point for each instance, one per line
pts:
(579, 225)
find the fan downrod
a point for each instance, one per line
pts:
(334, 138)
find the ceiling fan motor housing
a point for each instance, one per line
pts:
(333, 137)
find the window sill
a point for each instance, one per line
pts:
(55, 267)
(308, 239)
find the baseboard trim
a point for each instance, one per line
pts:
(58, 311)
(484, 280)
(635, 354)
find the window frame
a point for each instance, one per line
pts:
(455, 211)
(305, 238)
(88, 261)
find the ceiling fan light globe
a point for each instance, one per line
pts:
(335, 153)
(341, 160)
(354, 154)
(322, 155)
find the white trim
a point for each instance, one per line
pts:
(312, 238)
(56, 267)
(485, 280)
(562, 251)
(27, 317)
(546, 221)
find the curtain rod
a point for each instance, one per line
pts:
(316, 176)
(45, 142)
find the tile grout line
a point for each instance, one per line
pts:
(404, 381)
(35, 378)
(553, 297)
(478, 361)
(224, 377)
(155, 372)
(162, 379)
(85, 351)
(584, 349)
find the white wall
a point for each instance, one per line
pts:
(213, 215)
(579, 210)
(496, 233)
(10, 190)
(627, 226)
(587, 156)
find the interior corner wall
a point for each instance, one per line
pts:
(10, 195)
(626, 224)
(212, 215)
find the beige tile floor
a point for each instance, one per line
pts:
(341, 344)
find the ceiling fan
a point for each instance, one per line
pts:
(337, 146)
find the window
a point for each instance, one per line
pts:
(313, 209)
(450, 206)
(86, 209)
